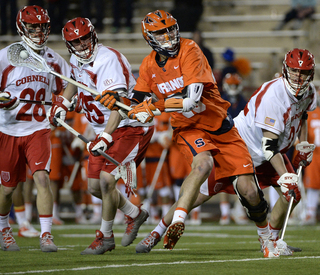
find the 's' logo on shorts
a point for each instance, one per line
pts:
(5, 176)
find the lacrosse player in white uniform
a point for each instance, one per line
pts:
(274, 117)
(107, 71)
(24, 128)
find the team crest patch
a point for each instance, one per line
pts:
(270, 121)
(5, 176)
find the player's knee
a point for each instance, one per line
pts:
(203, 166)
(6, 191)
(258, 213)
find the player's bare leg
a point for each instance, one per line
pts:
(45, 207)
(7, 242)
(201, 168)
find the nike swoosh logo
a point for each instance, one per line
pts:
(180, 217)
(37, 163)
(246, 165)
(175, 67)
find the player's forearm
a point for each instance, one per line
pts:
(113, 122)
(278, 164)
(70, 91)
(303, 135)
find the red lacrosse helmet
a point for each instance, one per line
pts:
(231, 84)
(35, 35)
(298, 70)
(161, 31)
(81, 39)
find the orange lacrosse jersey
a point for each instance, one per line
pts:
(311, 173)
(189, 66)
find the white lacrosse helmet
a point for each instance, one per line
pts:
(298, 70)
(39, 18)
(80, 30)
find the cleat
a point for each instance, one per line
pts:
(308, 220)
(46, 243)
(27, 230)
(238, 218)
(95, 219)
(7, 242)
(148, 242)
(100, 245)
(283, 248)
(81, 220)
(173, 234)
(133, 226)
(224, 220)
(294, 249)
(269, 247)
(57, 221)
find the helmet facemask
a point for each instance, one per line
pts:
(232, 86)
(84, 48)
(165, 41)
(35, 35)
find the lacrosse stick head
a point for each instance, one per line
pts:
(128, 173)
(19, 55)
(81, 39)
(33, 25)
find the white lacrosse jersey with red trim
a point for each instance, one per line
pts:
(22, 82)
(273, 108)
(109, 71)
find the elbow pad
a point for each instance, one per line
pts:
(269, 147)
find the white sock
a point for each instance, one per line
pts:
(106, 228)
(79, 211)
(263, 232)
(4, 221)
(130, 209)
(45, 224)
(55, 211)
(28, 207)
(179, 215)
(312, 202)
(225, 209)
(161, 228)
(165, 208)
(20, 217)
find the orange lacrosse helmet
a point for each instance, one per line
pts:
(161, 31)
(33, 25)
(231, 84)
(298, 70)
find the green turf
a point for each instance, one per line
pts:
(205, 249)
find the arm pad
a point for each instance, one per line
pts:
(269, 147)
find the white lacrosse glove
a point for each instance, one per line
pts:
(77, 143)
(102, 142)
(289, 186)
(305, 154)
(59, 109)
(164, 138)
(8, 103)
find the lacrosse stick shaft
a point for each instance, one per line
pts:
(91, 91)
(157, 173)
(285, 223)
(35, 101)
(73, 131)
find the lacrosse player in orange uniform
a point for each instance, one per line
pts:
(178, 74)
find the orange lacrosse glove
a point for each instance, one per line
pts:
(109, 99)
(143, 111)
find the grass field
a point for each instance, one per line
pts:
(205, 249)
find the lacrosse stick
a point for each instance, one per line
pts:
(18, 55)
(147, 200)
(29, 101)
(127, 171)
(291, 192)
